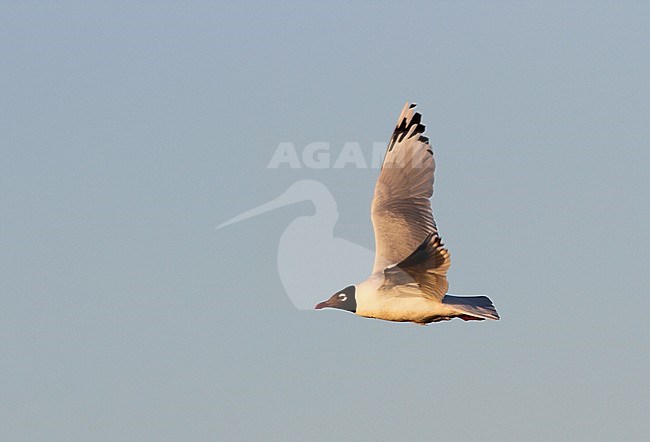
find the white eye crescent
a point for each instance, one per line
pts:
(342, 297)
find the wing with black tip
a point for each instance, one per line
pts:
(401, 209)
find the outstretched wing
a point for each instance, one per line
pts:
(422, 273)
(401, 209)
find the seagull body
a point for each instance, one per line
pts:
(409, 277)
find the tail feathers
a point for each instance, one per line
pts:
(472, 308)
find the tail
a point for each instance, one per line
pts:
(472, 308)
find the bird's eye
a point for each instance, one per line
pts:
(342, 297)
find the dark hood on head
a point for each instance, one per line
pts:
(343, 300)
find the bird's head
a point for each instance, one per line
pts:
(343, 299)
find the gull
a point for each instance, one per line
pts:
(409, 276)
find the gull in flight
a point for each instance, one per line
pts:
(409, 277)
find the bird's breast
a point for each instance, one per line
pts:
(371, 304)
(420, 310)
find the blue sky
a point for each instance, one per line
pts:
(130, 130)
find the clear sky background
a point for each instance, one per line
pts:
(130, 130)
